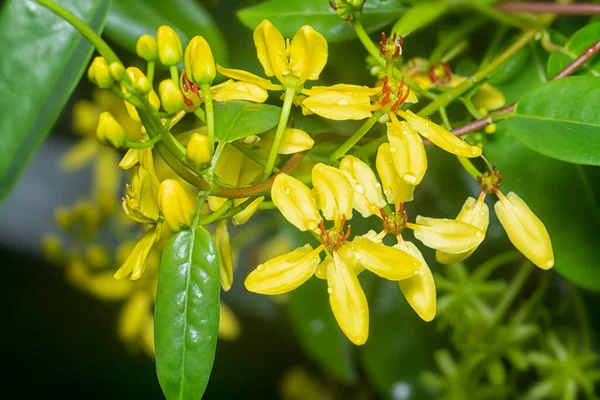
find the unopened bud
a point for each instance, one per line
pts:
(147, 48)
(99, 74)
(139, 80)
(117, 71)
(199, 150)
(199, 62)
(170, 96)
(175, 205)
(110, 131)
(169, 46)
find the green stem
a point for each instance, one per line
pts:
(200, 114)
(150, 71)
(238, 209)
(484, 270)
(582, 316)
(128, 97)
(455, 51)
(267, 205)
(513, 290)
(143, 145)
(362, 131)
(210, 113)
(494, 45)
(469, 167)
(100, 45)
(370, 148)
(471, 108)
(174, 73)
(251, 155)
(288, 100)
(455, 37)
(215, 159)
(445, 119)
(215, 216)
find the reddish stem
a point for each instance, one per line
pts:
(551, 8)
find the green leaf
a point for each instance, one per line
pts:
(238, 119)
(289, 15)
(576, 45)
(129, 19)
(560, 119)
(43, 58)
(186, 318)
(564, 196)
(418, 17)
(318, 332)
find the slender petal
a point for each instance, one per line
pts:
(231, 90)
(396, 189)
(334, 192)
(338, 105)
(271, 51)
(407, 150)
(308, 54)
(419, 290)
(368, 199)
(387, 262)
(245, 76)
(225, 254)
(296, 202)
(447, 235)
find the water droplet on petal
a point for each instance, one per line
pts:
(410, 178)
(550, 263)
(417, 271)
(260, 267)
(479, 234)
(312, 225)
(357, 255)
(342, 102)
(456, 151)
(358, 341)
(285, 189)
(330, 290)
(360, 189)
(377, 185)
(393, 150)
(425, 134)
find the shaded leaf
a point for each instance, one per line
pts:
(418, 17)
(238, 119)
(576, 45)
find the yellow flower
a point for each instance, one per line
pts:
(475, 213)
(225, 254)
(293, 141)
(524, 229)
(243, 216)
(384, 261)
(110, 131)
(140, 203)
(407, 151)
(334, 192)
(368, 199)
(229, 327)
(199, 61)
(419, 290)
(99, 74)
(135, 263)
(447, 235)
(199, 150)
(396, 189)
(175, 205)
(169, 46)
(291, 63)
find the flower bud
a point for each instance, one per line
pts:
(334, 192)
(475, 213)
(117, 71)
(175, 205)
(396, 189)
(407, 151)
(99, 74)
(171, 97)
(525, 230)
(110, 131)
(199, 150)
(295, 141)
(447, 235)
(295, 201)
(169, 46)
(147, 48)
(243, 217)
(139, 80)
(225, 254)
(368, 199)
(199, 62)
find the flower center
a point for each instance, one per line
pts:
(394, 222)
(334, 237)
(490, 180)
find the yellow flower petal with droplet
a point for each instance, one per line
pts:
(396, 189)
(308, 54)
(368, 199)
(447, 235)
(334, 191)
(385, 261)
(407, 151)
(338, 105)
(284, 273)
(271, 50)
(245, 76)
(344, 88)
(295, 202)
(231, 90)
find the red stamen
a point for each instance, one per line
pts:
(188, 102)
(322, 227)
(402, 99)
(382, 43)
(347, 235)
(382, 213)
(188, 85)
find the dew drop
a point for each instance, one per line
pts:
(285, 189)
(260, 267)
(417, 271)
(410, 178)
(342, 102)
(357, 256)
(377, 185)
(330, 290)
(358, 341)
(479, 234)
(312, 225)
(550, 263)
(393, 150)
(360, 189)
(425, 134)
(456, 151)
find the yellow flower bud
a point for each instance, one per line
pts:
(295, 141)
(440, 136)
(175, 205)
(271, 50)
(368, 199)
(169, 46)
(170, 96)
(284, 273)
(231, 90)
(295, 201)
(348, 301)
(199, 62)
(334, 192)
(243, 217)
(99, 74)
(139, 80)
(407, 150)
(225, 254)
(447, 235)
(475, 213)
(97, 257)
(525, 230)
(110, 131)
(199, 150)
(147, 48)
(117, 71)
(419, 290)
(135, 264)
(488, 97)
(396, 189)
(387, 262)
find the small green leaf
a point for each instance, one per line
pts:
(318, 332)
(575, 46)
(418, 17)
(43, 58)
(129, 19)
(289, 15)
(561, 120)
(238, 119)
(187, 314)
(511, 68)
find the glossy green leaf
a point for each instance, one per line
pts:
(575, 46)
(318, 332)
(186, 320)
(419, 16)
(511, 68)
(564, 196)
(43, 58)
(129, 19)
(238, 119)
(561, 120)
(289, 15)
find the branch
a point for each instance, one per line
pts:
(551, 8)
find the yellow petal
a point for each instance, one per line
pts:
(133, 316)
(245, 76)
(447, 235)
(199, 62)
(225, 254)
(525, 230)
(407, 151)
(229, 327)
(136, 261)
(104, 286)
(295, 202)
(345, 88)
(348, 301)
(308, 54)
(475, 213)
(231, 90)
(81, 154)
(148, 337)
(271, 51)
(107, 178)
(419, 290)
(385, 261)
(339, 105)
(396, 189)
(488, 97)
(368, 199)
(295, 141)
(175, 205)
(284, 273)
(244, 216)
(440, 136)
(334, 192)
